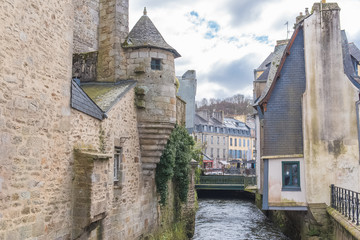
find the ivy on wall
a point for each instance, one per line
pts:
(174, 164)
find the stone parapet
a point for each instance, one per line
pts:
(344, 228)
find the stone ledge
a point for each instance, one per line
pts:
(344, 222)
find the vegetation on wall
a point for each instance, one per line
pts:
(174, 164)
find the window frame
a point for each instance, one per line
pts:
(117, 164)
(290, 187)
(155, 64)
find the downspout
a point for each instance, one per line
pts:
(358, 123)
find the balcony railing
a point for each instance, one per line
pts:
(346, 202)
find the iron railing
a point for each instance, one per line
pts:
(346, 202)
(223, 179)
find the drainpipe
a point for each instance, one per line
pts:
(358, 122)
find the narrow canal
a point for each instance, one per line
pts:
(224, 218)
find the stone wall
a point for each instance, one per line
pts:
(131, 207)
(86, 16)
(343, 228)
(180, 111)
(35, 73)
(159, 85)
(113, 29)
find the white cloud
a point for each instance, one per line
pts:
(242, 26)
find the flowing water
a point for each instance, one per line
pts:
(233, 219)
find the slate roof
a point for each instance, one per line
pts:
(349, 69)
(354, 51)
(264, 76)
(145, 35)
(233, 123)
(96, 99)
(263, 65)
(276, 58)
(83, 103)
(212, 121)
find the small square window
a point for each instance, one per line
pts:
(291, 176)
(155, 64)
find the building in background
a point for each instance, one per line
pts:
(187, 92)
(224, 140)
(211, 133)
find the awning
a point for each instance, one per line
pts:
(224, 163)
(207, 161)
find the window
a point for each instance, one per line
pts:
(117, 163)
(218, 140)
(155, 64)
(248, 142)
(212, 152)
(224, 153)
(205, 129)
(212, 138)
(218, 153)
(291, 176)
(235, 142)
(224, 140)
(230, 141)
(205, 137)
(244, 143)
(230, 153)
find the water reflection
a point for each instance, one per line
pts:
(233, 219)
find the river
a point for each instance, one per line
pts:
(233, 219)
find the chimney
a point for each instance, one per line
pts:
(307, 12)
(204, 114)
(299, 18)
(219, 116)
(113, 29)
(282, 42)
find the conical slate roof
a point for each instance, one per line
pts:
(145, 34)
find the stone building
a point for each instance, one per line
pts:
(307, 98)
(211, 133)
(240, 141)
(86, 108)
(187, 92)
(223, 139)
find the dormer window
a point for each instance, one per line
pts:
(155, 64)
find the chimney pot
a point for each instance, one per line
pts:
(306, 11)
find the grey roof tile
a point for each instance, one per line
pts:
(145, 34)
(82, 102)
(349, 69)
(277, 56)
(264, 64)
(354, 51)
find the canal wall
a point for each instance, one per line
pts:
(319, 222)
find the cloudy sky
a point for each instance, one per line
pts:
(225, 40)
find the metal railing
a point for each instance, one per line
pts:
(346, 202)
(223, 179)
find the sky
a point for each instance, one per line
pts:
(225, 40)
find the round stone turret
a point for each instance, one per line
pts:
(151, 63)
